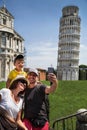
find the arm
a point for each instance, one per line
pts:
(52, 78)
(19, 121)
(10, 77)
(7, 115)
(8, 83)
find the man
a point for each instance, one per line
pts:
(35, 114)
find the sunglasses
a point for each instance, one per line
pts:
(22, 84)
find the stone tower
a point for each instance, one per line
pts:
(69, 44)
(11, 43)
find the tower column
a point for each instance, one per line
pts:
(69, 44)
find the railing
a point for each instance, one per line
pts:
(66, 123)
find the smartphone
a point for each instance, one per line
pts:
(50, 70)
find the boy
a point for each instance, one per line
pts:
(18, 70)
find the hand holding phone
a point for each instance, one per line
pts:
(50, 70)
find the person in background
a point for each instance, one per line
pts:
(18, 70)
(35, 114)
(11, 104)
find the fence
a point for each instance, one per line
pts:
(68, 122)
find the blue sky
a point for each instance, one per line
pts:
(37, 21)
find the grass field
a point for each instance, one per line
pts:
(67, 99)
(2, 84)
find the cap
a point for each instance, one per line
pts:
(20, 78)
(18, 57)
(33, 71)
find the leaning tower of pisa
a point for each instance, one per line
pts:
(69, 44)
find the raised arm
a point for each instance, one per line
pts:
(52, 78)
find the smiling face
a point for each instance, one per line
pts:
(19, 82)
(19, 64)
(32, 78)
(21, 85)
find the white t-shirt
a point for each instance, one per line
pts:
(9, 104)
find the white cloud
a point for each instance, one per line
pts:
(42, 55)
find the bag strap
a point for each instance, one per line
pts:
(5, 114)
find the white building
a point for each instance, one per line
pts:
(69, 44)
(11, 43)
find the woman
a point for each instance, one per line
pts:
(11, 105)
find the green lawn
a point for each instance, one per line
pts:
(67, 99)
(2, 84)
